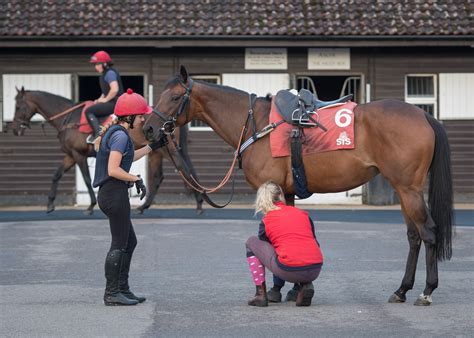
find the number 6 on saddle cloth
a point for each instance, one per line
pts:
(297, 109)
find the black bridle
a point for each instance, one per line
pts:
(169, 122)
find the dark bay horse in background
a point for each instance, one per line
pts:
(74, 146)
(395, 139)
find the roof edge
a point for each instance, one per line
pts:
(236, 41)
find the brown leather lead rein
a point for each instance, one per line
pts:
(192, 182)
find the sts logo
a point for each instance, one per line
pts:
(343, 139)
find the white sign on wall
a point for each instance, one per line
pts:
(266, 58)
(329, 58)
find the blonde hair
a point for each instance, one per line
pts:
(267, 195)
(103, 129)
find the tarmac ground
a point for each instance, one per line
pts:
(194, 274)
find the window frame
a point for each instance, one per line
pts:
(203, 77)
(425, 99)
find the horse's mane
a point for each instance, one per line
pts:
(58, 97)
(231, 90)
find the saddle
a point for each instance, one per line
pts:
(297, 109)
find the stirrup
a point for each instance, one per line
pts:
(91, 139)
(302, 119)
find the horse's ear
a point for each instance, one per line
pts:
(22, 89)
(184, 73)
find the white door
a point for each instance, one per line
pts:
(59, 84)
(138, 167)
(456, 101)
(260, 84)
(82, 196)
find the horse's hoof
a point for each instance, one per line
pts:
(199, 212)
(88, 212)
(423, 300)
(397, 299)
(139, 211)
(50, 209)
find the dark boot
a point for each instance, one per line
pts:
(124, 287)
(260, 298)
(95, 125)
(291, 295)
(305, 295)
(112, 295)
(274, 295)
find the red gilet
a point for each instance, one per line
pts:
(289, 231)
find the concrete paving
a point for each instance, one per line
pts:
(195, 276)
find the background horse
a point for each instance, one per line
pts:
(73, 143)
(395, 139)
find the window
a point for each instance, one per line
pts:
(421, 91)
(199, 125)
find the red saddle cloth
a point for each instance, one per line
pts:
(84, 126)
(338, 119)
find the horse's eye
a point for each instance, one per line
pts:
(175, 98)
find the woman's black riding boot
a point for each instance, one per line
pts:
(95, 125)
(124, 287)
(113, 265)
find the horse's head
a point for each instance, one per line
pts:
(24, 111)
(173, 106)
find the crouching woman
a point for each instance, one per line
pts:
(286, 245)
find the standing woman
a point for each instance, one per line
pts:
(111, 87)
(114, 159)
(286, 245)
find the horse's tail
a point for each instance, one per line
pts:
(440, 197)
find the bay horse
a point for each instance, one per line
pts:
(396, 139)
(74, 146)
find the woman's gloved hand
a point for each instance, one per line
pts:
(160, 142)
(141, 189)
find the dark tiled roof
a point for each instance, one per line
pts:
(213, 18)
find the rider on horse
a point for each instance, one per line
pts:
(111, 87)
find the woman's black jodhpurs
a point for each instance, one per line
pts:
(115, 204)
(101, 109)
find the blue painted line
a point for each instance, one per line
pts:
(462, 217)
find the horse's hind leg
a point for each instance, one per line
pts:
(420, 226)
(82, 163)
(67, 164)
(414, 241)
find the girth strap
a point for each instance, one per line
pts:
(297, 165)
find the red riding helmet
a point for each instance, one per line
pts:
(100, 56)
(131, 103)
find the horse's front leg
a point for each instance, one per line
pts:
(410, 270)
(83, 166)
(197, 195)
(199, 201)
(67, 164)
